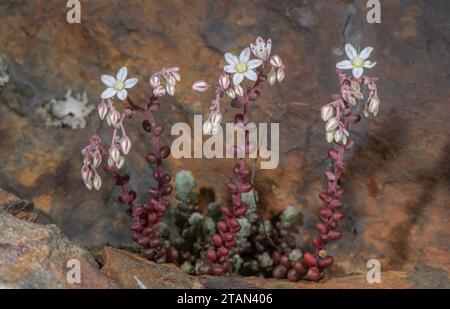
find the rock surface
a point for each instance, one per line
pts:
(36, 256)
(398, 175)
(131, 271)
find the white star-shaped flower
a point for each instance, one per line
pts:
(357, 61)
(119, 85)
(242, 67)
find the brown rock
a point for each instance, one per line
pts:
(35, 256)
(129, 270)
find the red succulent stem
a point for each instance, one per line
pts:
(147, 216)
(225, 238)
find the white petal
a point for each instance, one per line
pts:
(231, 68)
(109, 93)
(369, 64)
(122, 74)
(245, 55)
(365, 53)
(350, 51)
(130, 83)
(231, 59)
(358, 72)
(254, 63)
(344, 65)
(251, 75)
(269, 46)
(122, 95)
(108, 80)
(238, 78)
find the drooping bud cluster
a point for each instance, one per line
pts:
(164, 81)
(92, 159)
(333, 113)
(145, 216)
(373, 103)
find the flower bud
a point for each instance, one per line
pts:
(215, 118)
(88, 183)
(275, 60)
(102, 110)
(338, 136)
(114, 153)
(125, 144)
(215, 130)
(231, 94)
(207, 127)
(96, 158)
(272, 77)
(97, 182)
(159, 91)
(330, 136)
(155, 81)
(176, 76)
(326, 112)
(332, 124)
(280, 74)
(120, 162)
(200, 86)
(170, 88)
(113, 117)
(373, 106)
(170, 79)
(224, 80)
(239, 90)
(86, 173)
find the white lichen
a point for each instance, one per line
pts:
(4, 76)
(70, 111)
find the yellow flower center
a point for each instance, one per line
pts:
(357, 62)
(241, 67)
(120, 86)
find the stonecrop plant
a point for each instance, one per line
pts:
(228, 238)
(145, 216)
(239, 82)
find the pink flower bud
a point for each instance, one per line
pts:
(114, 153)
(125, 144)
(373, 106)
(276, 61)
(326, 112)
(176, 76)
(332, 124)
(113, 117)
(216, 118)
(159, 91)
(200, 86)
(231, 94)
(280, 74)
(86, 173)
(330, 136)
(96, 158)
(338, 136)
(207, 127)
(97, 182)
(272, 77)
(155, 81)
(170, 88)
(224, 80)
(120, 162)
(239, 90)
(102, 110)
